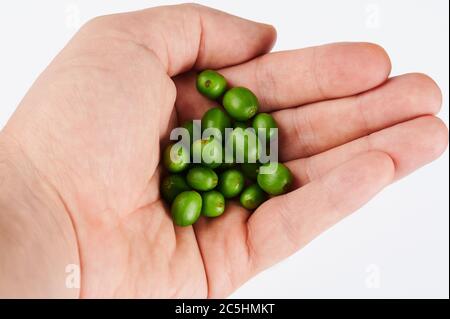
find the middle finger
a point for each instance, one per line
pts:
(315, 128)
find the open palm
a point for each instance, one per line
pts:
(93, 125)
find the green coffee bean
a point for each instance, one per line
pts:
(276, 180)
(216, 118)
(252, 196)
(267, 122)
(213, 204)
(186, 208)
(240, 103)
(176, 158)
(211, 84)
(244, 145)
(209, 152)
(173, 185)
(231, 183)
(202, 178)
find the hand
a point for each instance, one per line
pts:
(91, 127)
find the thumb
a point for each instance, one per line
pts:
(188, 35)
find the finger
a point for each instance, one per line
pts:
(317, 127)
(286, 223)
(186, 36)
(410, 144)
(292, 78)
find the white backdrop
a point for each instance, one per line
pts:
(398, 244)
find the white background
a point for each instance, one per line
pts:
(398, 244)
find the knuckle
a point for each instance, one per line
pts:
(305, 131)
(265, 82)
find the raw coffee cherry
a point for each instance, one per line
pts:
(267, 122)
(231, 183)
(176, 158)
(209, 152)
(252, 197)
(173, 185)
(244, 144)
(202, 178)
(276, 180)
(211, 84)
(213, 204)
(216, 118)
(240, 103)
(186, 208)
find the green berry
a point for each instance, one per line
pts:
(209, 152)
(252, 196)
(213, 204)
(275, 178)
(244, 145)
(173, 185)
(267, 122)
(211, 84)
(231, 183)
(216, 118)
(176, 158)
(186, 208)
(240, 103)
(202, 178)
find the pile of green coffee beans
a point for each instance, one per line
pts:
(205, 172)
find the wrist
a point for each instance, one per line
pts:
(37, 239)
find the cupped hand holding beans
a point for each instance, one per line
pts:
(88, 145)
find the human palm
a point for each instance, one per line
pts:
(93, 125)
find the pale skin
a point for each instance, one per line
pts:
(79, 159)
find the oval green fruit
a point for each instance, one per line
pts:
(275, 178)
(209, 152)
(211, 84)
(267, 123)
(231, 183)
(244, 145)
(176, 158)
(213, 204)
(186, 208)
(252, 196)
(216, 118)
(202, 178)
(173, 185)
(240, 103)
